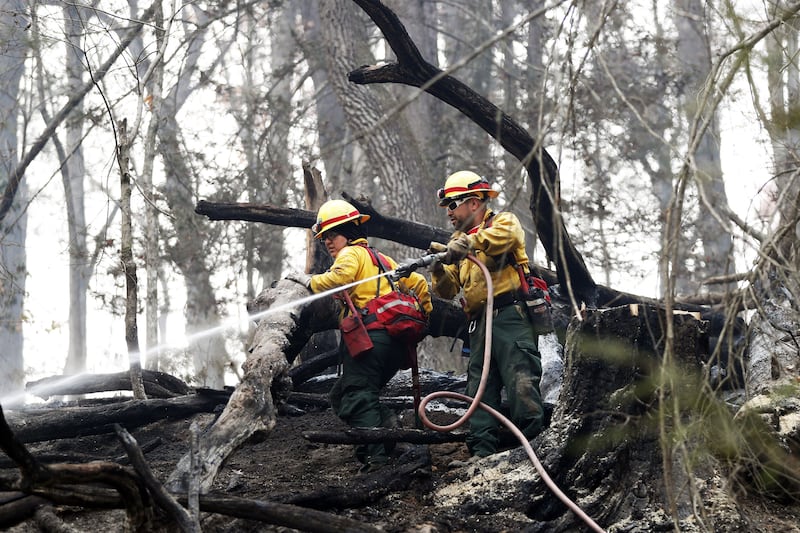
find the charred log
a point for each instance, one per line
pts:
(281, 514)
(48, 481)
(34, 425)
(77, 457)
(394, 229)
(370, 435)
(156, 384)
(371, 487)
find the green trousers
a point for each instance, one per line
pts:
(355, 396)
(515, 365)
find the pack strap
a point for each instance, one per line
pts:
(378, 261)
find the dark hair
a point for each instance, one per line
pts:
(351, 231)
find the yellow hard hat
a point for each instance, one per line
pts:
(335, 213)
(464, 183)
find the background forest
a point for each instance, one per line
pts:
(674, 125)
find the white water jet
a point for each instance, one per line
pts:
(239, 326)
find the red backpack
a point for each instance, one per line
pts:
(399, 313)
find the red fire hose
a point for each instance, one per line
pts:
(475, 403)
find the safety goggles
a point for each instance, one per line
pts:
(452, 206)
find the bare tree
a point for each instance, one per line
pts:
(128, 264)
(13, 25)
(391, 151)
(694, 54)
(775, 353)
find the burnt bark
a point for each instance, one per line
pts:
(35, 425)
(156, 384)
(53, 481)
(370, 435)
(369, 489)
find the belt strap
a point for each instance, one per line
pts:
(505, 299)
(501, 300)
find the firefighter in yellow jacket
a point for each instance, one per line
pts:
(355, 395)
(498, 241)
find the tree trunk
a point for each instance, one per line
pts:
(206, 346)
(152, 248)
(13, 228)
(694, 54)
(73, 176)
(392, 153)
(129, 265)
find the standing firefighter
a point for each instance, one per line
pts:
(381, 322)
(497, 240)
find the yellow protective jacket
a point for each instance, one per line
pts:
(353, 263)
(498, 242)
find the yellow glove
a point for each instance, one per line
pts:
(457, 249)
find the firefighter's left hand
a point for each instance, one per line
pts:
(300, 277)
(436, 247)
(457, 249)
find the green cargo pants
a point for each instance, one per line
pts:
(355, 396)
(515, 365)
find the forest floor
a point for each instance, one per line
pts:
(283, 465)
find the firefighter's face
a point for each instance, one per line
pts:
(334, 242)
(463, 213)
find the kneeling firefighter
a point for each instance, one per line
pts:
(381, 321)
(498, 241)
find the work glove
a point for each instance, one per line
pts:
(300, 277)
(436, 248)
(457, 249)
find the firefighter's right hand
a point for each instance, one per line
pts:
(457, 249)
(300, 277)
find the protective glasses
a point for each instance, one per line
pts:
(452, 206)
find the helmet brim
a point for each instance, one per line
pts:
(359, 219)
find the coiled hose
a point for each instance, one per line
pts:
(475, 403)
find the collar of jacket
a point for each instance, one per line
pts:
(485, 223)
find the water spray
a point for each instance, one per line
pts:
(237, 325)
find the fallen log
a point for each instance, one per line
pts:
(156, 384)
(370, 488)
(76, 457)
(34, 425)
(17, 506)
(280, 514)
(49, 481)
(165, 500)
(370, 435)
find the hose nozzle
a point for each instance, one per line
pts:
(404, 269)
